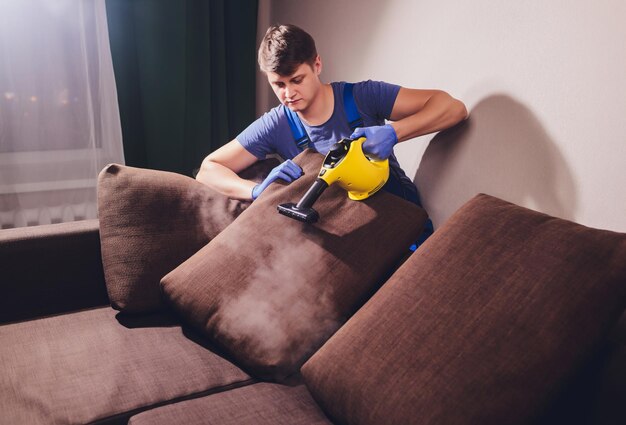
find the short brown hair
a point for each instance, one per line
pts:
(284, 48)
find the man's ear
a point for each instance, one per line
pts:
(317, 65)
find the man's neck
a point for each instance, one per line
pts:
(321, 108)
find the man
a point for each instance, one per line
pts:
(289, 58)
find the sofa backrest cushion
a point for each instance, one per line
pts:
(150, 222)
(483, 324)
(270, 290)
(50, 269)
(607, 388)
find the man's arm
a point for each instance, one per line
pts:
(418, 112)
(414, 113)
(219, 170)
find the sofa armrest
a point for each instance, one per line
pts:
(50, 269)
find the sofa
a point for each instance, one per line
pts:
(504, 315)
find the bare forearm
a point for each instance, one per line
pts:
(224, 180)
(441, 111)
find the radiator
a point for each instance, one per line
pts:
(47, 205)
(47, 215)
(46, 202)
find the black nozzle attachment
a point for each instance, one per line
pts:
(306, 215)
(303, 210)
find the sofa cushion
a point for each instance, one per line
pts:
(151, 221)
(270, 290)
(258, 404)
(95, 365)
(609, 406)
(483, 324)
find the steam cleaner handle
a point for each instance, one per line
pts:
(312, 194)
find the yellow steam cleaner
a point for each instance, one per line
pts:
(346, 165)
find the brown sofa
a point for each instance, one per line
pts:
(505, 315)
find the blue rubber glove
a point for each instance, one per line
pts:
(287, 171)
(379, 142)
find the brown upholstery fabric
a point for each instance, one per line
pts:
(270, 289)
(151, 221)
(597, 394)
(609, 407)
(50, 269)
(482, 325)
(258, 404)
(87, 366)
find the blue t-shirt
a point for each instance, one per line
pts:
(374, 100)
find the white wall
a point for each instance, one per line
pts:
(544, 80)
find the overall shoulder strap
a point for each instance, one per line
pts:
(349, 106)
(298, 131)
(300, 135)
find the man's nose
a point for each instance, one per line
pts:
(288, 91)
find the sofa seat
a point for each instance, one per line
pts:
(258, 404)
(97, 365)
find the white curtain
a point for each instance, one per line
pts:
(59, 119)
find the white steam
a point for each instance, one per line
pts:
(287, 311)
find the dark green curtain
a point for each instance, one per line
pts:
(185, 75)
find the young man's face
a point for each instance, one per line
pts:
(298, 90)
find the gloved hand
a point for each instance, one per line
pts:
(379, 142)
(288, 171)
